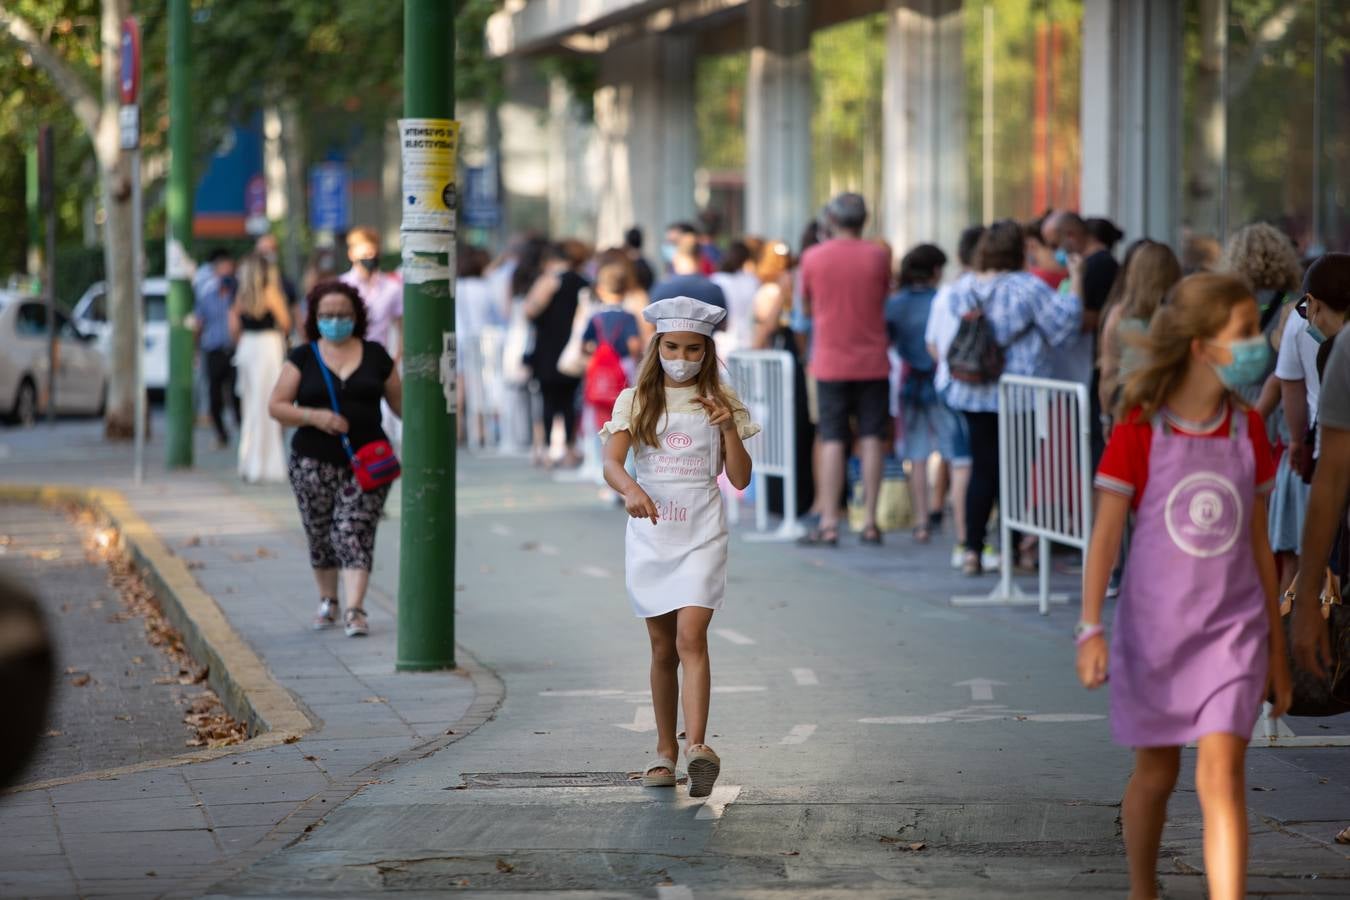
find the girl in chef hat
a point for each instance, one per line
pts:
(684, 427)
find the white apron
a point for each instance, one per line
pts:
(681, 560)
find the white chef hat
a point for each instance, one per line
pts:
(684, 314)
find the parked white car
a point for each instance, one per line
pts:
(81, 370)
(91, 316)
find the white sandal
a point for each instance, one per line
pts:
(704, 766)
(650, 780)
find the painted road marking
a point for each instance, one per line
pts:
(980, 688)
(640, 696)
(718, 801)
(501, 530)
(739, 689)
(585, 693)
(674, 892)
(594, 571)
(990, 713)
(644, 719)
(798, 734)
(805, 677)
(549, 550)
(734, 636)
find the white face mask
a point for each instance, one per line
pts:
(682, 370)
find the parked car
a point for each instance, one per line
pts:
(91, 316)
(81, 370)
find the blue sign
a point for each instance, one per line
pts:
(330, 197)
(479, 207)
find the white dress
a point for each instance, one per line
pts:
(262, 447)
(682, 559)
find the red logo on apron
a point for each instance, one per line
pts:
(678, 440)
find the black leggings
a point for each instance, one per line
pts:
(220, 389)
(983, 492)
(560, 399)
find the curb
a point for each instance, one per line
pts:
(238, 676)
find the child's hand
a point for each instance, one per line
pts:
(719, 413)
(1092, 656)
(639, 505)
(1280, 688)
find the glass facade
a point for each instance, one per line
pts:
(719, 113)
(1265, 122)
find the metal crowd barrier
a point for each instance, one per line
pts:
(764, 379)
(1045, 479)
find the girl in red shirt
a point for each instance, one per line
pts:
(1197, 643)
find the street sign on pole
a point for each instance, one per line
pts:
(429, 138)
(330, 197)
(181, 410)
(481, 206)
(129, 120)
(255, 206)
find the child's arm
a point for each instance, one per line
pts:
(1112, 511)
(1281, 682)
(635, 499)
(735, 458)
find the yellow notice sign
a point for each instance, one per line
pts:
(430, 197)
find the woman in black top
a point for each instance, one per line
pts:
(339, 517)
(552, 305)
(259, 320)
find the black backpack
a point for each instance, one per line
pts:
(975, 356)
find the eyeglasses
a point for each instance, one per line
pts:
(1302, 308)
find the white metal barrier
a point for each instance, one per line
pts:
(1045, 478)
(765, 381)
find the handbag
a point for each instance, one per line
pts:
(975, 355)
(375, 464)
(1328, 696)
(574, 359)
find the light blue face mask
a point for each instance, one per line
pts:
(667, 252)
(335, 329)
(1062, 258)
(1315, 333)
(1250, 358)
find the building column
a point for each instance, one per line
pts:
(647, 138)
(1130, 119)
(778, 201)
(924, 179)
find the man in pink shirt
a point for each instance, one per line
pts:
(844, 286)
(381, 291)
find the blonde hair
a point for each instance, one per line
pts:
(649, 400)
(774, 259)
(363, 234)
(1151, 273)
(253, 282)
(1199, 306)
(1264, 257)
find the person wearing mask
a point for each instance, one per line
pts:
(1264, 257)
(738, 282)
(1041, 260)
(382, 293)
(1150, 271)
(338, 516)
(1326, 303)
(844, 283)
(259, 323)
(1029, 321)
(938, 336)
(476, 311)
(213, 290)
(676, 232)
(642, 270)
(687, 278)
(616, 328)
(927, 422)
(269, 248)
(551, 305)
(709, 224)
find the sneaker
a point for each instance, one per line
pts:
(326, 617)
(970, 563)
(990, 559)
(355, 623)
(958, 556)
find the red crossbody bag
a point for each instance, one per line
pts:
(375, 464)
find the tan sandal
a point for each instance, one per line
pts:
(650, 780)
(704, 766)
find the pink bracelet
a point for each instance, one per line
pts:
(1089, 633)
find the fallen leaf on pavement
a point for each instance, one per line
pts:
(52, 733)
(312, 758)
(504, 866)
(1343, 837)
(291, 739)
(193, 541)
(264, 553)
(790, 853)
(375, 700)
(80, 680)
(45, 555)
(122, 718)
(195, 564)
(138, 660)
(917, 846)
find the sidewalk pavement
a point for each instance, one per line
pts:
(174, 826)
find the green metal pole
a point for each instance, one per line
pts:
(178, 399)
(426, 595)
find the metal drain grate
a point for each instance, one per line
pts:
(478, 780)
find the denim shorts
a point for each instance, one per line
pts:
(929, 424)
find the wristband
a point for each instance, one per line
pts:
(1085, 633)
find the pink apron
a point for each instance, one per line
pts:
(1190, 652)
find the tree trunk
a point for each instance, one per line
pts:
(119, 243)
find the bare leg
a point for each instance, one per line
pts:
(939, 475)
(327, 580)
(1288, 566)
(873, 459)
(691, 643)
(1221, 782)
(960, 484)
(918, 494)
(356, 581)
(1144, 812)
(817, 455)
(830, 483)
(665, 686)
